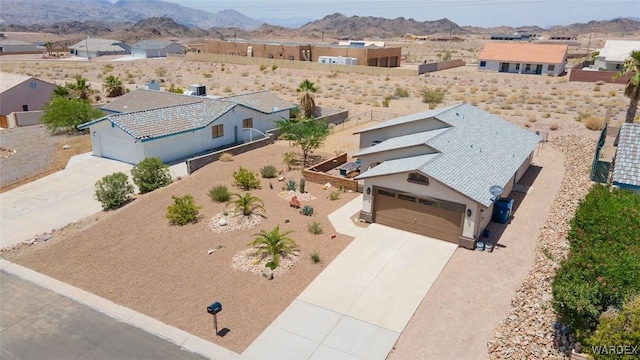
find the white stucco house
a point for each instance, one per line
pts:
(614, 53)
(523, 58)
(153, 48)
(431, 172)
(626, 165)
(173, 127)
(21, 93)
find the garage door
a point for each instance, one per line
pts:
(430, 217)
(118, 149)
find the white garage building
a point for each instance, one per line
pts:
(174, 127)
(431, 172)
(153, 48)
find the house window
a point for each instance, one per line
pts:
(517, 67)
(418, 178)
(247, 123)
(217, 131)
(386, 193)
(551, 67)
(618, 66)
(25, 107)
(406, 197)
(33, 84)
(527, 67)
(483, 63)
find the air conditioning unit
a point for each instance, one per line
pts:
(198, 90)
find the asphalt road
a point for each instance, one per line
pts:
(36, 323)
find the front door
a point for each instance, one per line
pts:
(538, 69)
(504, 67)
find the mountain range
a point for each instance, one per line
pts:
(157, 18)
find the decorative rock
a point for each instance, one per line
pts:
(267, 273)
(211, 251)
(222, 222)
(66, 147)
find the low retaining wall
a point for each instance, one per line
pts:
(441, 65)
(579, 75)
(330, 116)
(196, 163)
(316, 174)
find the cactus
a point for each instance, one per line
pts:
(302, 181)
(307, 210)
(291, 185)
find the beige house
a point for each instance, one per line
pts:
(431, 172)
(21, 93)
(523, 58)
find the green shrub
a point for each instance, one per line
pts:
(150, 174)
(386, 100)
(263, 67)
(291, 185)
(400, 92)
(246, 179)
(616, 327)
(269, 172)
(603, 267)
(219, 193)
(114, 190)
(315, 257)
(315, 228)
(433, 97)
(307, 210)
(289, 158)
(334, 195)
(274, 67)
(183, 210)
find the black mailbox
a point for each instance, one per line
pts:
(214, 308)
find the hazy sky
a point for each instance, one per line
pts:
(463, 12)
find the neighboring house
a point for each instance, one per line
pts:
(153, 48)
(524, 58)
(614, 53)
(93, 47)
(21, 93)
(626, 165)
(513, 37)
(173, 127)
(431, 172)
(8, 47)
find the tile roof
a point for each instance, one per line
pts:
(263, 101)
(524, 52)
(478, 150)
(152, 44)
(141, 99)
(618, 50)
(151, 124)
(402, 142)
(627, 164)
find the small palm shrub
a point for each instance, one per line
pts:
(219, 193)
(269, 172)
(315, 257)
(315, 228)
(113, 191)
(183, 210)
(150, 174)
(291, 185)
(334, 195)
(246, 204)
(246, 179)
(307, 210)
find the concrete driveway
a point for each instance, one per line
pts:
(360, 304)
(58, 199)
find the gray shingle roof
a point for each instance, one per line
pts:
(262, 101)
(141, 99)
(396, 166)
(171, 120)
(627, 163)
(96, 45)
(408, 118)
(151, 44)
(478, 150)
(402, 142)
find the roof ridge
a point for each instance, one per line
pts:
(154, 109)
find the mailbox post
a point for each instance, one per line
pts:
(214, 309)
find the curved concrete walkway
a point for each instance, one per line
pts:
(359, 304)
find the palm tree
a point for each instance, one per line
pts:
(61, 91)
(81, 87)
(49, 46)
(246, 203)
(273, 243)
(631, 66)
(307, 102)
(113, 86)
